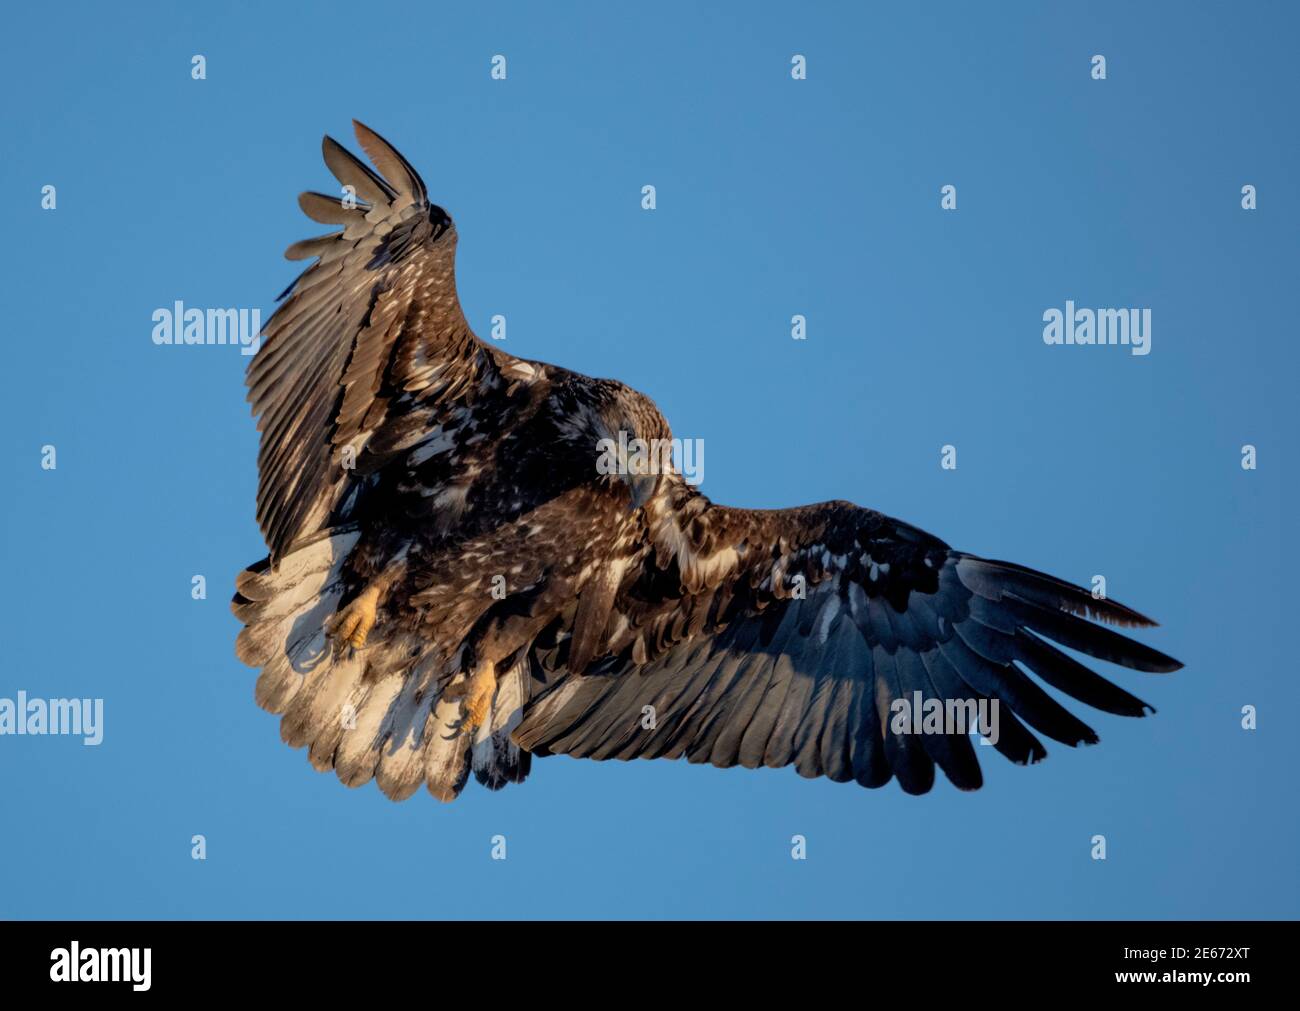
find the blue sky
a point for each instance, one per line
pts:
(775, 197)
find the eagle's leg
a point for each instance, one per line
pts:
(480, 691)
(353, 623)
(497, 645)
(476, 694)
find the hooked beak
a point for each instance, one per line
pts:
(638, 465)
(642, 487)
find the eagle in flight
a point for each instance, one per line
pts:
(455, 584)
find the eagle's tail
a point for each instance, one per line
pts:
(382, 712)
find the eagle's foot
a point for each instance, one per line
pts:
(478, 695)
(352, 624)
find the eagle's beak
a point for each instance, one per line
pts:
(642, 487)
(637, 463)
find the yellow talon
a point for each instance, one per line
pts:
(355, 621)
(478, 696)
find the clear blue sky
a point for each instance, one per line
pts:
(775, 197)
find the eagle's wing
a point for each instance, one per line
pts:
(370, 340)
(782, 637)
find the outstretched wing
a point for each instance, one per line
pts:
(369, 338)
(784, 637)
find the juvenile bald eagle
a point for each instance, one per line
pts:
(454, 584)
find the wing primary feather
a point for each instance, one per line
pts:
(351, 171)
(1095, 640)
(395, 169)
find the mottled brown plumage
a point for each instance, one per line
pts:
(454, 585)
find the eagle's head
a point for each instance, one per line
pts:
(631, 441)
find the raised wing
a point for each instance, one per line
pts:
(784, 637)
(369, 338)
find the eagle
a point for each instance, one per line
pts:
(471, 561)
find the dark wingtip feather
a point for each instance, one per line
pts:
(327, 210)
(1095, 640)
(351, 171)
(1047, 590)
(306, 249)
(396, 170)
(1078, 681)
